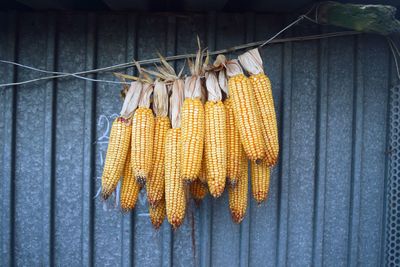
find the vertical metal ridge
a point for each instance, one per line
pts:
(206, 210)
(382, 222)
(48, 184)
(320, 154)
(167, 234)
(88, 146)
(284, 173)
(245, 226)
(8, 201)
(128, 220)
(387, 184)
(356, 165)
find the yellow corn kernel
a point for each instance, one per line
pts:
(192, 125)
(247, 117)
(215, 147)
(198, 190)
(118, 145)
(157, 214)
(130, 188)
(155, 184)
(260, 176)
(203, 171)
(175, 197)
(142, 143)
(265, 103)
(234, 149)
(238, 196)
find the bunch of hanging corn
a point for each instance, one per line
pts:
(247, 116)
(215, 137)
(143, 136)
(119, 142)
(155, 184)
(261, 85)
(175, 197)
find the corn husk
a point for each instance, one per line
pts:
(132, 98)
(252, 62)
(160, 97)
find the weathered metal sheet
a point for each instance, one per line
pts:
(327, 198)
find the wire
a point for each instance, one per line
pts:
(259, 44)
(57, 72)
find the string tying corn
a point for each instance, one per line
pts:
(143, 136)
(119, 142)
(155, 185)
(247, 116)
(215, 137)
(261, 85)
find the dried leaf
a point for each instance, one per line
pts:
(213, 89)
(252, 62)
(160, 99)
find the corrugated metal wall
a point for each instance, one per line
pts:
(326, 205)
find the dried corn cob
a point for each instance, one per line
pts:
(238, 196)
(117, 151)
(203, 171)
(155, 184)
(234, 146)
(143, 136)
(247, 116)
(175, 197)
(215, 137)
(192, 130)
(198, 190)
(119, 142)
(260, 175)
(130, 188)
(261, 85)
(157, 214)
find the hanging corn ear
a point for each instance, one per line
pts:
(174, 186)
(192, 130)
(143, 136)
(261, 85)
(157, 214)
(155, 184)
(215, 137)
(247, 116)
(130, 188)
(238, 196)
(234, 146)
(260, 175)
(119, 142)
(198, 191)
(193, 121)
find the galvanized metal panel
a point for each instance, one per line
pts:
(326, 202)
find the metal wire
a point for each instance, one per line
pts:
(259, 44)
